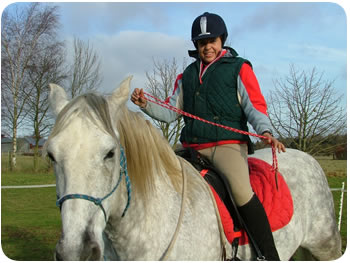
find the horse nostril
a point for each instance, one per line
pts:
(58, 256)
(91, 252)
(95, 251)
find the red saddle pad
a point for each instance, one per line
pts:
(278, 203)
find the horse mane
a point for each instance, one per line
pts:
(148, 152)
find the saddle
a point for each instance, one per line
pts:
(218, 184)
(278, 203)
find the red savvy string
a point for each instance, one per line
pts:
(163, 104)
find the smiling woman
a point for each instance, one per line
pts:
(209, 49)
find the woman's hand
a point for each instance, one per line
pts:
(272, 140)
(138, 98)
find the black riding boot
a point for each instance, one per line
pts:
(254, 217)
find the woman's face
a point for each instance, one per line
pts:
(209, 49)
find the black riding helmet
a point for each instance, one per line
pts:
(208, 25)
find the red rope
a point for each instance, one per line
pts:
(179, 111)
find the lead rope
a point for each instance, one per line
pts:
(181, 112)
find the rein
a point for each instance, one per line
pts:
(166, 253)
(98, 201)
(184, 113)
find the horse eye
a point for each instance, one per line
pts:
(109, 155)
(50, 155)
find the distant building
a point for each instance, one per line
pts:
(29, 144)
(6, 144)
(24, 145)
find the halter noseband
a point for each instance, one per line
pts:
(98, 201)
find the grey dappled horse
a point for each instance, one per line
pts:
(122, 191)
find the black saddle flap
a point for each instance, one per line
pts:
(202, 163)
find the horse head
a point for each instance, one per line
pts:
(88, 161)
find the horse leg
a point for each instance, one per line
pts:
(329, 250)
(303, 254)
(327, 247)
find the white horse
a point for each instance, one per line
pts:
(157, 206)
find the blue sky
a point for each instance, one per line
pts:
(274, 35)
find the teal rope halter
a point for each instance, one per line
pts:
(98, 201)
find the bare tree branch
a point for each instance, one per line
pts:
(161, 84)
(305, 111)
(84, 72)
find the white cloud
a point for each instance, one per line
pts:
(321, 52)
(87, 18)
(284, 17)
(132, 53)
(127, 38)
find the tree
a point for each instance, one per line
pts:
(22, 29)
(305, 110)
(85, 69)
(161, 85)
(45, 67)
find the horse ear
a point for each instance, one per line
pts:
(121, 94)
(57, 98)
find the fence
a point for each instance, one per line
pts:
(342, 189)
(341, 203)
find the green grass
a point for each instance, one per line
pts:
(30, 220)
(333, 168)
(30, 223)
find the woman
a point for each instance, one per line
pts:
(221, 87)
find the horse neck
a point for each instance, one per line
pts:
(144, 220)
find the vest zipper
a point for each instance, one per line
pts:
(203, 68)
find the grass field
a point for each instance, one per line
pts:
(30, 221)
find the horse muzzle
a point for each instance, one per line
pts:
(87, 250)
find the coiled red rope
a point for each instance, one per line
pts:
(166, 105)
